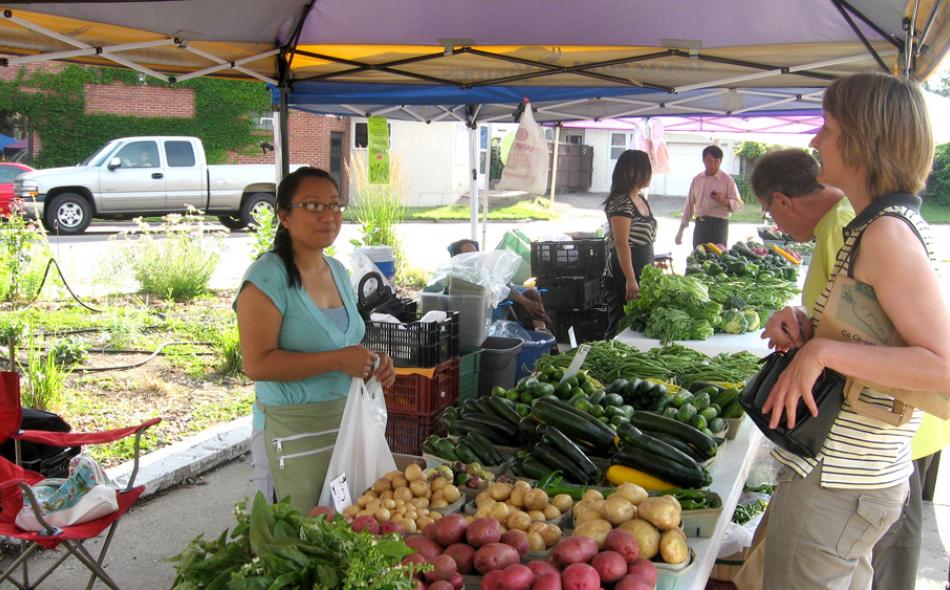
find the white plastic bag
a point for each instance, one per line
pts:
(87, 494)
(493, 270)
(527, 167)
(361, 453)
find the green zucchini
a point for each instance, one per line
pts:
(574, 453)
(465, 453)
(633, 437)
(578, 426)
(484, 407)
(619, 386)
(649, 422)
(466, 425)
(677, 444)
(483, 447)
(429, 445)
(548, 454)
(496, 424)
(504, 409)
(663, 468)
(531, 468)
(528, 430)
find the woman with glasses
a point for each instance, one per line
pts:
(300, 341)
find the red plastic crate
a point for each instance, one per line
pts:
(414, 392)
(405, 433)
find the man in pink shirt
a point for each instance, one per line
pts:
(713, 196)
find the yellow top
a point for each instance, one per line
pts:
(828, 240)
(933, 434)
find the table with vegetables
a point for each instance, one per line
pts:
(620, 469)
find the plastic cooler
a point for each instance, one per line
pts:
(473, 310)
(499, 363)
(532, 350)
(382, 257)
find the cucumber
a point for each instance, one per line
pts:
(697, 386)
(649, 422)
(709, 414)
(572, 452)
(680, 399)
(504, 409)
(701, 401)
(662, 467)
(619, 386)
(597, 397)
(686, 413)
(612, 399)
(576, 425)
(717, 425)
(698, 422)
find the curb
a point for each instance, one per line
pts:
(190, 457)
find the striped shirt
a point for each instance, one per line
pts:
(862, 452)
(642, 227)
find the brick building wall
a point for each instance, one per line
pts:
(139, 101)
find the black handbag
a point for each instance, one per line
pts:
(809, 433)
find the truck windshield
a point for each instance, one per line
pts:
(99, 156)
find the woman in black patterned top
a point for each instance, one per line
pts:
(632, 233)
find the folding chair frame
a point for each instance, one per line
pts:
(73, 547)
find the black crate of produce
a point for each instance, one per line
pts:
(405, 433)
(577, 259)
(415, 344)
(572, 294)
(423, 391)
(589, 325)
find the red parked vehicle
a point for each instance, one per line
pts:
(9, 171)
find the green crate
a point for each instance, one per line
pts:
(468, 374)
(516, 241)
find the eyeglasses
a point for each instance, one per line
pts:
(766, 216)
(311, 207)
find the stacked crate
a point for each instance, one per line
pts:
(571, 274)
(427, 377)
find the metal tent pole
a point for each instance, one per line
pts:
(557, 142)
(473, 166)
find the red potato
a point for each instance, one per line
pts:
(643, 569)
(632, 582)
(414, 558)
(517, 539)
(574, 550)
(543, 567)
(490, 580)
(457, 581)
(547, 581)
(441, 585)
(391, 527)
(450, 529)
(495, 556)
(443, 566)
(516, 577)
(580, 576)
(427, 547)
(429, 531)
(318, 510)
(483, 531)
(623, 543)
(610, 566)
(419, 585)
(463, 555)
(365, 523)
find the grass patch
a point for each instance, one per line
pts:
(934, 213)
(539, 209)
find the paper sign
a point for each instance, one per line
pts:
(575, 365)
(378, 147)
(340, 493)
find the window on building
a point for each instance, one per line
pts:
(618, 143)
(361, 135)
(179, 153)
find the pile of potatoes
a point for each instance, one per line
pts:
(518, 506)
(653, 521)
(411, 498)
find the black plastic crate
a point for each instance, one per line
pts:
(415, 344)
(589, 325)
(55, 466)
(572, 294)
(576, 259)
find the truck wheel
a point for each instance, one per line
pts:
(257, 203)
(67, 214)
(232, 223)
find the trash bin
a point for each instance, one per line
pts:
(499, 363)
(473, 310)
(539, 344)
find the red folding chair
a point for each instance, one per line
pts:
(16, 481)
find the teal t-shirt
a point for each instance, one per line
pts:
(304, 327)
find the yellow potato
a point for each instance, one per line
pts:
(518, 520)
(420, 489)
(351, 511)
(382, 515)
(535, 499)
(440, 503)
(436, 496)
(423, 521)
(435, 516)
(483, 497)
(522, 484)
(414, 472)
(420, 502)
(536, 516)
(592, 495)
(632, 492)
(363, 500)
(499, 491)
(551, 512)
(393, 474)
(535, 527)
(451, 493)
(400, 482)
(673, 547)
(618, 510)
(517, 497)
(387, 495)
(382, 485)
(648, 538)
(374, 505)
(402, 494)
(500, 511)
(536, 542)
(563, 502)
(594, 529)
(551, 534)
(437, 484)
(390, 504)
(411, 526)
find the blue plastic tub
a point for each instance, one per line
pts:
(388, 268)
(533, 349)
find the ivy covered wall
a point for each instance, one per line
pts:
(55, 103)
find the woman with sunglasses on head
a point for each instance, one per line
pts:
(300, 340)
(829, 511)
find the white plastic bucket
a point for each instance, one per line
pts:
(382, 257)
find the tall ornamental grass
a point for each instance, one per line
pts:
(379, 207)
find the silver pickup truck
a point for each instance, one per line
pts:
(143, 176)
